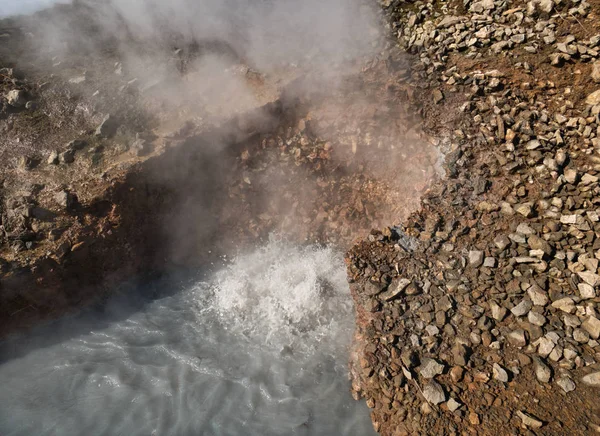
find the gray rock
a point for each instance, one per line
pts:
(592, 379)
(542, 371)
(586, 291)
(499, 373)
(593, 99)
(581, 336)
(475, 258)
(566, 384)
(529, 420)
(450, 21)
(592, 326)
(589, 277)
(65, 199)
(536, 318)
(430, 368)
(522, 308)
(596, 71)
(395, 289)
(565, 304)
(453, 405)
(434, 393)
(538, 296)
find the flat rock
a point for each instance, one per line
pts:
(596, 71)
(592, 379)
(522, 308)
(529, 420)
(592, 326)
(499, 373)
(395, 289)
(566, 384)
(430, 368)
(565, 304)
(593, 99)
(434, 393)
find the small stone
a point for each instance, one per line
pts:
(536, 318)
(537, 295)
(434, 393)
(589, 277)
(460, 353)
(372, 288)
(566, 384)
(16, 98)
(517, 338)
(474, 418)
(453, 405)
(438, 96)
(65, 199)
(430, 368)
(53, 158)
(456, 374)
(475, 258)
(542, 371)
(529, 420)
(593, 99)
(586, 291)
(525, 209)
(581, 336)
(498, 312)
(500, 373)
(395, 289)
(25, 163)
(565, 304)
(522, 308)
(545, 346)
(489, 262)
(592, 379)
(502, 242)
(592, 326)
(596, 71)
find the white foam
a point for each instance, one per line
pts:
(206, 360)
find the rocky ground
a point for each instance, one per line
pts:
(477, 314)
(111, 174)
(480, 313)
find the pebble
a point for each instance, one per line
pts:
(499, 373)
(592, 379)
(592, 326)
(529, 420)
(430, 368)
(434, 393)
(566, 384)
(542, 371)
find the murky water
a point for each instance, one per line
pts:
(258, 348)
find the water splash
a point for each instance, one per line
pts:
(259, 348)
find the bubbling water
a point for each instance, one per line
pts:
(258, 348)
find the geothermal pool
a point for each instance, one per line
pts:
(255, 346)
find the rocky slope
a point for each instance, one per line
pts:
(480, 313)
